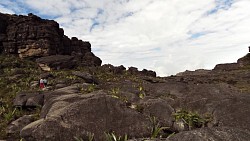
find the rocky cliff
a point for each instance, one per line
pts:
(98, 103)
(33, 37)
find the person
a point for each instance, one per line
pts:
(45, 82)
(41, 83)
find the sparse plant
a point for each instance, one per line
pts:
(90, 136)
(91, 88)
(13, 81)
(139, 108)
(115, 91)
(8, 115)
(78, 139)
(170, 135)
(38, 111)
(192, 120)
(113, 137)
(141, 92)
(156, 128)
(71, 77)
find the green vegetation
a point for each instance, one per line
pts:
(113, 137)
(156, 128)
(139, 108)
(141, 92)
(90, 137)
(18, 75)
(88, 89)
(116, 93)
(192, 120)
(15, 76)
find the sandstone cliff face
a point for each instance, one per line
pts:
(33, 37)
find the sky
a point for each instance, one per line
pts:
(167, 36)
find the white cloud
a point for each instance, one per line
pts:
(5, 10)
(166, 36)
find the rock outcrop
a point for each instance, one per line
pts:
(28, 99)
(107, 101)
(213, 134)
(96, 113)
(244, 61)
(241, 64)
(196, 72)
(33, 37)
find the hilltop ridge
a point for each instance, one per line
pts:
(85, 100)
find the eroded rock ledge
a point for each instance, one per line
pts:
(33, 37)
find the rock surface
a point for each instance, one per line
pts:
(56, 62)
(18, 124)
(213, 134)
(33, 37)
(29, 99)
(92, 113)
(88, 78)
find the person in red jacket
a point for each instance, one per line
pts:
(41, 84)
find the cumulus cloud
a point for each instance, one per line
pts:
(165, 36)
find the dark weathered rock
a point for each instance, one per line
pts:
(144, 72)
(113, 69)
(226, 67)
(161, 110)
(55, 62)
(89, 59)
(78, 115)
(147, 139)
(17, 125)
(57, 86)
(34, 84)
(196, 72)
(244, 61)
(88, 78)
(119, 70)
(221, 102)
(215, 134)
(133, 70)
(33, 37)
(27, 99)
(148, 73)
(46, 75)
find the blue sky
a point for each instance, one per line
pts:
(167, 36)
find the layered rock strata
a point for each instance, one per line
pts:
(33, 37)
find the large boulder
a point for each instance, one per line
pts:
(29, 99)
(88, 78)
(55, 62)
(74, 115)
(161, 110)
(221, 101)
(17, 125)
